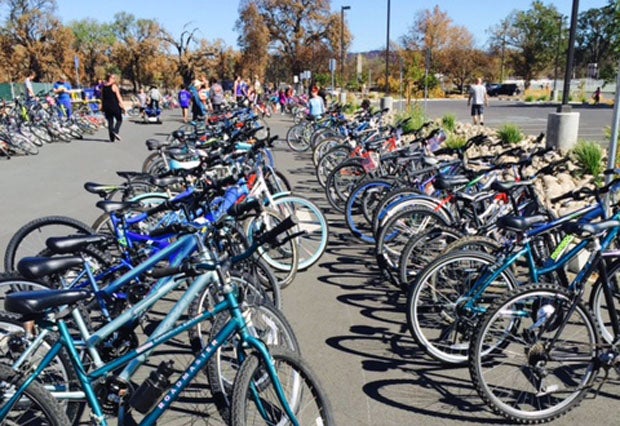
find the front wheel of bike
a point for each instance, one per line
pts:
(534, 356)
(255, 400)
(36, 406)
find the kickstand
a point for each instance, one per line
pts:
(603, 380)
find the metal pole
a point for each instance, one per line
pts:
(342, 9)
(557, 60)
(427, 64)
(615, 124)
(387, 52)
(569, 58)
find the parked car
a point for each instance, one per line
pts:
(491, 87)
(509, 89)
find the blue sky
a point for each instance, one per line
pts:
(366, 18)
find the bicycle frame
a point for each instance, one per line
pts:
(236, 325)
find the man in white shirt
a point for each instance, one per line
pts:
(478, 99)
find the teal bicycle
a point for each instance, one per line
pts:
(271, 387)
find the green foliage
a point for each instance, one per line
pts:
(448, 122)
(530, 98)
(418, 118)
(455, 141)
(510, 133)
(323, 79)
(589, 156)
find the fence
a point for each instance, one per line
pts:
(9, 91)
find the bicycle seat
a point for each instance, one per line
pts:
(39, 267)
(585, 230)
(507, 187)
(133, 175)
(449, 182)
(112, 206)
(519, 223)
(99, 189)
(166, 181)
(154, 144)
(73, 243)
(35, 303)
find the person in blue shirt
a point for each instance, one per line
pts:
(185, 100)
(62, 89)
(316, 104)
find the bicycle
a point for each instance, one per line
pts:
(251, 386)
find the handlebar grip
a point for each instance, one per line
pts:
(165, 272)
(242, 208)
(271, 235)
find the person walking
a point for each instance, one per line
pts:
(216, 94)
(142, 99)
(185, 100)
(112, 105)
(316, 104)
(478, 99)
(155, 98)
(597, 96)
(29, 90)
(62, 89)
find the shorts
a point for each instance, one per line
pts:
(477, 109)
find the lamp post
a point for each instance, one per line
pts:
(565, 107)
(342, 9)
(387, 52)
(557, 60)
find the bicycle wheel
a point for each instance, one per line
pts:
(59, 376)
(598, 303)
(422, 250)
(284, 260)
(255, 400)
(434, 315)
(330, 161)
(277, 182)
(29, 240)
(267, 323)
(341, 182)
(361, 202)
(533, 358)
(397, 231)
(390, 199)
(37, 406)
(23, 144)
(323, 148)
(297, 138)
(310, 219)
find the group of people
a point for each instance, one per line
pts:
(200, 97)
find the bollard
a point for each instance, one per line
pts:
(387, 102)
(562, 130)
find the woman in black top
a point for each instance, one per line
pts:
(112, 105)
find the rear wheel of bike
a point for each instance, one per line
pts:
(36, 406)
(23, 144)
(434, 316)
(29, 240)
(255, 400)
(341, 182)
(360, 204)
(598, 303)
(328, 162)
(533, 358)
(297, 138)
(59, 376)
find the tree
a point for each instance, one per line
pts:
(34, 38)
(93, 43)
(253, 41)
(300, 31)
(138, 44)
(186, 58)
(598, 39)
(532, 39)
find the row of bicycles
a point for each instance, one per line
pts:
(482, 260)
(27, 126)
(167, 307)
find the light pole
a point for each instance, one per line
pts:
(342, 9)
(387, 52)
(565, 107)
(557, 60)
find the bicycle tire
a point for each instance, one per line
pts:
(59, 374)
(357, 206)
(17, 242)
(36, 398)
(598, 303)
(41, 133)
(328, 162)
(341, 182)
(422, 250)
(252, 379)
(149, 161)
(23, 144)
(433, 316)
(310, 219)
(296, 138)
(560, 392)
(390, 199)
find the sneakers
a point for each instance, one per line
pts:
(117, 137)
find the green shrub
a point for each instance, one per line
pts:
(448, 122)
(455, 142)
(529, 98)
(589, 156)
(510, 133)
(543, 98)
(417, 118)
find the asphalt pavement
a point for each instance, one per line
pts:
(350, 323)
